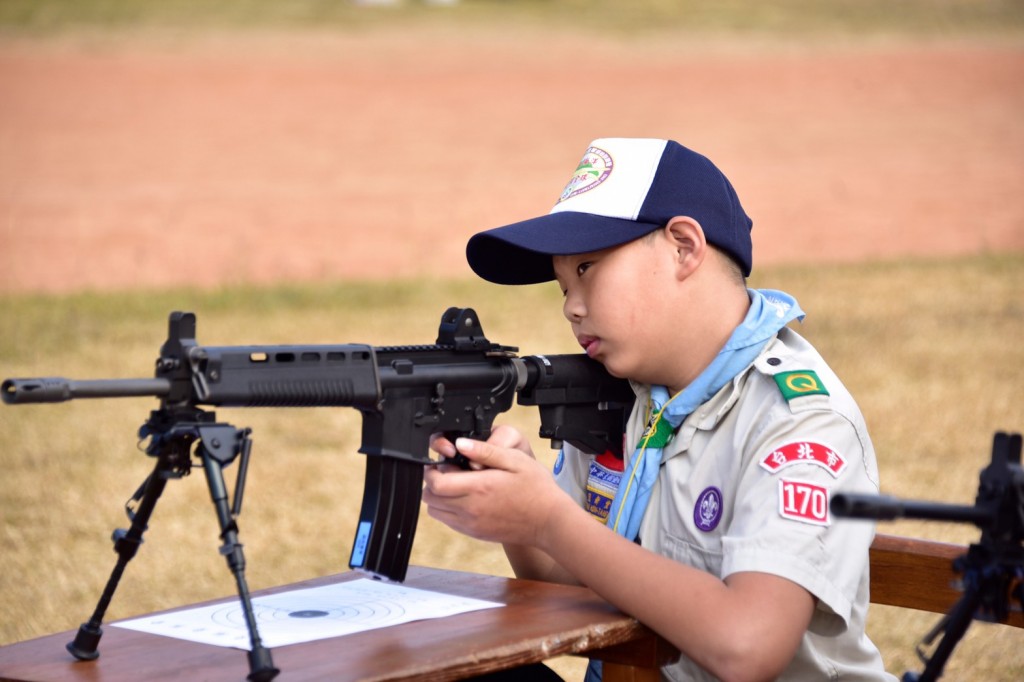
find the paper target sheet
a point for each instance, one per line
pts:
(308, 614)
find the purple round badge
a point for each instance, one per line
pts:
(708, 510)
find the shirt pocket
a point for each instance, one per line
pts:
(704, 558)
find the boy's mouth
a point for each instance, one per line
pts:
(590, 344)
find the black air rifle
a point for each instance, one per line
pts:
(406, 394)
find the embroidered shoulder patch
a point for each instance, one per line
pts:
(804, 452)
(800, 383)
(602, 484)
(803, 501)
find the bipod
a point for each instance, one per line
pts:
(993, 569)
(953, 626)
(990, 583)
(172, 434)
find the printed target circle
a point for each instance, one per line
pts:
(375, 612)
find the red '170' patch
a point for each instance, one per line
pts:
(804, 453)
(803, 501)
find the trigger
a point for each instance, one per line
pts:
(459, 460)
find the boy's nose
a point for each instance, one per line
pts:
(573, 308)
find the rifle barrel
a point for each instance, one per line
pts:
(887, 508)
(59, 389)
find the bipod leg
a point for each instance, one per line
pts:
(220, 445)
(955, 625)
(126, 544)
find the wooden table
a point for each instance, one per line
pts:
(540, 621)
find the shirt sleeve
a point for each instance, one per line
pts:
(782, 523)
(571, 469)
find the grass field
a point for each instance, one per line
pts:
(931, 349)
(787, 18)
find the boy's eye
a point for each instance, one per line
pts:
(583, 267)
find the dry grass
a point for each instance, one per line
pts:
(931, 349)
(780, 18)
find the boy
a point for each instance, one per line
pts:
(718, 534)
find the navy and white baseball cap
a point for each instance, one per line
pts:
(623, 189)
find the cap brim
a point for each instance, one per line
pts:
(521, 253)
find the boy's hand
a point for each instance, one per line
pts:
(506, 497)
(451, 459)
(503, 436)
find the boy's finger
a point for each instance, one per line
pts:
(505, 436)
(442, 446)
(483, 453)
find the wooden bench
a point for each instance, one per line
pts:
(918, 574)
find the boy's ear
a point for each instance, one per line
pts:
(687, 237)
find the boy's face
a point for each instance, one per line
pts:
(612, 302)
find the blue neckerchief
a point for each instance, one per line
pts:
(769, 312)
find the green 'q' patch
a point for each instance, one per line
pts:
(800, 383)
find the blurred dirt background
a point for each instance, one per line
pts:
(150, 159)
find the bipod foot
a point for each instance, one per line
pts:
(85, 646)
(261, 665)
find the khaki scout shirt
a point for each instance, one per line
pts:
(745, 486)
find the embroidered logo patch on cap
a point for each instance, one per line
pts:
(613, 178)
(594, 169)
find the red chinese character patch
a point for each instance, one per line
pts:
(804, 453)
(802, 501)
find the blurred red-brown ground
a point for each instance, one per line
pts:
(153, 162)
